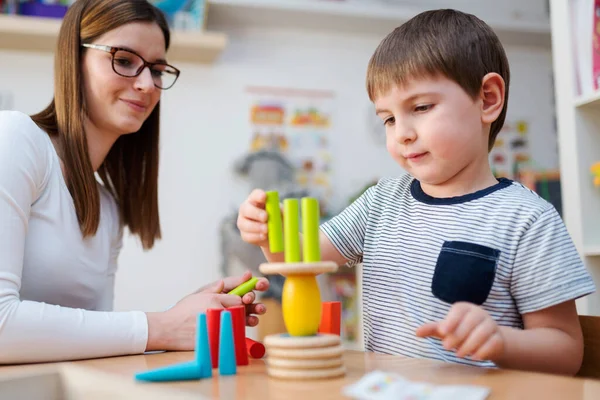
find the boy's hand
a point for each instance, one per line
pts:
(252, 219)
(469, 330)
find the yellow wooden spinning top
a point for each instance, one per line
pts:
(301, 297)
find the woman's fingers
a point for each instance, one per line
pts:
(257, 308)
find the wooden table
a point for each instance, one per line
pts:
(251, 382)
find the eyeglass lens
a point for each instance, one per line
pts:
(129, 64)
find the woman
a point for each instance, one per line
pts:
(60, 229)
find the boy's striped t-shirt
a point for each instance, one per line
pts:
(504, 248)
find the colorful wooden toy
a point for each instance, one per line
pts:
(199, 368)
(230, 346)
(255, 349)
(242, 348)
(238, 317)
(227, 362)
(245, 287)
(213, 317)
(274, 222)
(301, 298)
(331, 319)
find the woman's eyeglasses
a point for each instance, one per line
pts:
(129, 64)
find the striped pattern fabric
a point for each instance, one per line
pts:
(397, 232)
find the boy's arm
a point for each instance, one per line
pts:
(551, 342)
(548, 275)
(328, 252)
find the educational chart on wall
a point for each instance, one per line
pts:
(511, 150)
(295, 123)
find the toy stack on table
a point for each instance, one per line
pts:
(311, 348)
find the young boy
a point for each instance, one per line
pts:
(457, 265)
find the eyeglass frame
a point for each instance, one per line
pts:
(113, 50)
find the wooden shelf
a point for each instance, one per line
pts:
(356, 18)
(588, 100)
(203, 48)
(39, 35)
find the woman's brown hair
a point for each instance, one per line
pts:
(130, 170)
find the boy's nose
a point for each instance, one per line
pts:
(405, 134)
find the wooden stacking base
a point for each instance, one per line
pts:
(301, 268)
(304, 357)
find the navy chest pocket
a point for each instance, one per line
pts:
(464, 272)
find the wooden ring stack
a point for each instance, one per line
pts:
(307, 357)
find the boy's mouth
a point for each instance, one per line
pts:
(415, 156)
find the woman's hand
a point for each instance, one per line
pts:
(175, 329)
(226, 285)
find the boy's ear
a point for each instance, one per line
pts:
(492, 96)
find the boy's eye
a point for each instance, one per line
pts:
(389, 121)
(423, 107)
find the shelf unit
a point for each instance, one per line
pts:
(35, 34)
(355, 18)
(578, 123)
(592, 100)
(592, 251)
(39, 34)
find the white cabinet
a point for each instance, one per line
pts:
(578, 123)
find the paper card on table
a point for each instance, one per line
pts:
(379, 385)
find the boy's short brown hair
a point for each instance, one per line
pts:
(457, 45)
